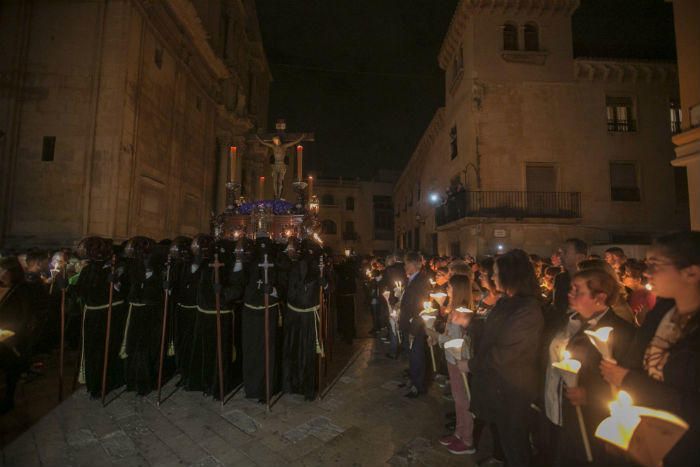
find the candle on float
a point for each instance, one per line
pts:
(261, 187)
(234, 161)
(300, 152)
(311, 186)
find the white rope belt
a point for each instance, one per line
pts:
(122, 349)
(317, 324)
(212, 312)
(261, 307)
(81, 373)
(187, 307)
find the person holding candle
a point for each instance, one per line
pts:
(662, 368)
(17, 316)
(459, 294)
(591, 296)
(411, 325)
(504, 367)
(393, 273)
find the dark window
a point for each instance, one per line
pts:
(328, 227)
(620, 113)
(455, 249)
(349, 203)
(327, 200)
(453, 142)
(349, 227)
(680, 179)
(624, 183)
(531, 36)
(510, 37)
(48, 148)
(383, 217)
(416, 239)
(158, 57)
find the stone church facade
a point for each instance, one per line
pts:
(534, 146)
(116, 117)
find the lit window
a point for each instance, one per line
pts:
(620, 114)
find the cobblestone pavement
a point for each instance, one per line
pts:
(364, 420)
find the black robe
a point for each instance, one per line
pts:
(92, 292)
(203, 372)
(250, 280)
(302, 341)
(142, 334)
(184, 296)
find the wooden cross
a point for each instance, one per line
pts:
(266, 266)
(282, 134)
(216, 265)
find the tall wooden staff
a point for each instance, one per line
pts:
(63, 335)
(266, 266)
(321, 325)
(219, 355)
(166, 291)
(105, 362)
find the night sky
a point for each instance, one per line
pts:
(363, 74)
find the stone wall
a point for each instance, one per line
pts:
(143, 105)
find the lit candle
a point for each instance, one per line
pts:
(232, 175)
(568, 369)
(311, 186)
(439, 297)
(300, 151)
(261, 187)
(601, 339)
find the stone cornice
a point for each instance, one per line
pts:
(621, 70)
(186, 15)
(467, 8)
(425, 142)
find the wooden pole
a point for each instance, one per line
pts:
(166, 290)
(219, 354)
(105, 363)
(266, 265)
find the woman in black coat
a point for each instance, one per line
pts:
(15, 315)
(504, 368)
(662, 369)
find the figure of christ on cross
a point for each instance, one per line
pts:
(279, 151)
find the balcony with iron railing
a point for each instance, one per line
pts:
(622, 126)
(507, 204)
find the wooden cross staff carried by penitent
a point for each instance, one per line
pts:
(217, 297)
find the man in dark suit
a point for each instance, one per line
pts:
(417, 291)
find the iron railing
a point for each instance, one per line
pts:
(517, 204)
(622, 126)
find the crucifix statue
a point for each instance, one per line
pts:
(279, 159)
